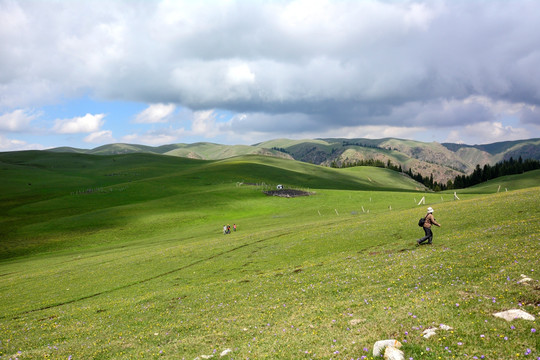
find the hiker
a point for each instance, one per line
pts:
(228, 229)
(234, 227)
(224, 229)
(429, 220)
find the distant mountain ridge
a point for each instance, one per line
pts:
(445, 161)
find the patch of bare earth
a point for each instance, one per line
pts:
(288, 193)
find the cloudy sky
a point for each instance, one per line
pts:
(88, 73)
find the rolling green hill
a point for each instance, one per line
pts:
(444, 161)
(55, 200)
(123, 257)
(60, 196)
(206, 151)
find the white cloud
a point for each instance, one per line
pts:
(101, 137)
(454, 136)
(487, 132)
(204, 123)
(7, 144)
(299, 126)
(155, 113)
(17, 120)
(496, 131)
(154, 138)
(238, 74)
(131, 50)
(378, 132)
(84, 124)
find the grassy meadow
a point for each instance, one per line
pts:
(124, 257)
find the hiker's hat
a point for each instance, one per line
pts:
(429, 210)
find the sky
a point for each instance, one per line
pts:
(88, 73)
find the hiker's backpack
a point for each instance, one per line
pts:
(421, 222)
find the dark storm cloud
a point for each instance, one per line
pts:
(331, 64)
(531, 116)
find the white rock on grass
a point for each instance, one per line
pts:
(429, 333)
(512, 314)
(225, 352)
(445, 327)
(392, 353)
(524, 279)
(433, 331)
(380, 345)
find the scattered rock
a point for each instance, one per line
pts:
(225, 352)
(524, 279)
(445, 327)
(204, 357)
(429, 333)
(433, 331)
(512, 314)
(393, 353)
(380, 345)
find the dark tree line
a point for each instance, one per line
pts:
(488, 172)
(427, 181)
(367, 162)
(281, 150)
(347, 143)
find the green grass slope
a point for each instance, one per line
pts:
(505, 183)
(57, 200)
(327, 292)
(286, 143)
(141, 268)
(114, 149)
(211, 151)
